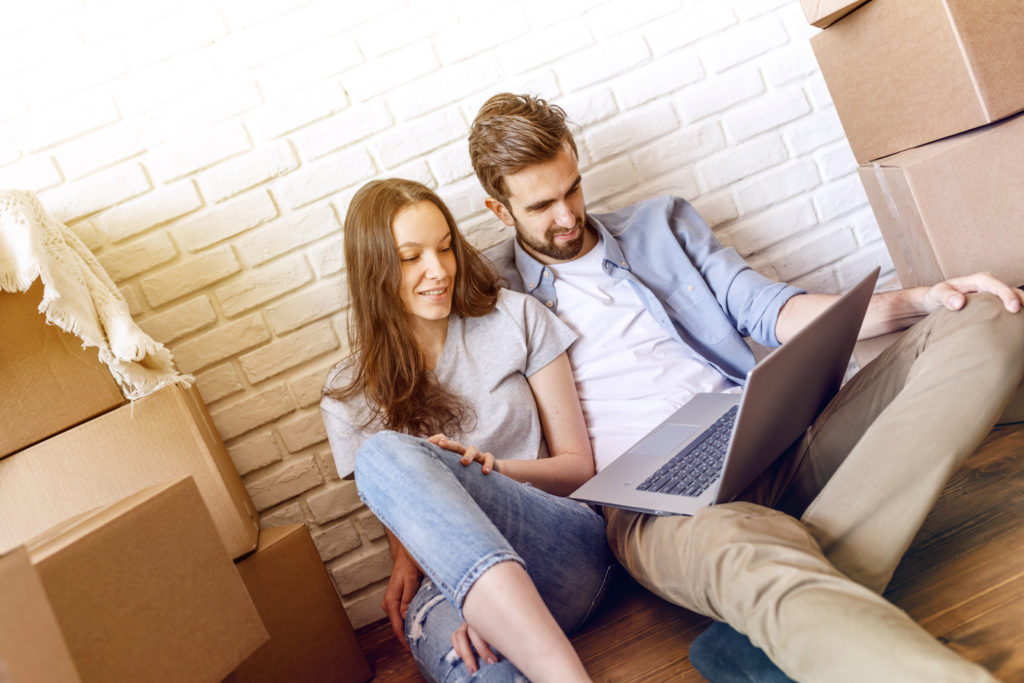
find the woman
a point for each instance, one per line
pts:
(454, 368)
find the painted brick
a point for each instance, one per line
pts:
(612, 18)
(464, 198)
(220, 343)
(740, 162)
(138, 256)
(180, 321)
(799, 257)
(35, 173)
(80, 70)
(219, 382)
(814, 131)
(420, 136)
(255, 409)
(325, 460)
(300, 108)
(336, 540)
(207, 106)
(64, 120)
(320, 61)
(143, 89)
(865, 226)
(270, 241)
(255, 451)
(328, 257)
(95, 192)
(450, 164)
(817, 91)
(324, 177)
(240, 14)
(836, 161)
(233, 177)
(679, 182)
(718, 93)
(312, 303)
(282, 481)
(716, 208)
(475, 34)
(776, 185)
(28, 40)
(389, 71)
(9, 150)
(395, 31)
(855, 267)
(306, 388)
(173, 34)
(362, 570)
(106, 147)
(218, 224)
(334, 501)
(742, 42)
(290, 513)
(657, 78)
(590, 107)
(303, 432)
(789, 64)
(698, 20)
(629, 130)
(840, 197)
(770, 227)
(600, 62)
(542, 13)
(344, 128)
(369, 526)
(822, 281)
(116, 19)
(540, 82)
(153, 208)
(287, 352)
(442, 87)
(365, 608)
(679, 149)
(260, 285)
(87, 232)
(543, 46)
(188, 154)
(765, 113)
(607, 179)
(135, 306)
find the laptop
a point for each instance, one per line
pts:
(722, 442)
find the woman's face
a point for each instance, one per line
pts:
(424, 246)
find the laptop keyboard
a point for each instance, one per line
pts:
(696, 467)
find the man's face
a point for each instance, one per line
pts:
(546, 207)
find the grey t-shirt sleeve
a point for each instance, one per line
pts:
(545, 335)
(343, 421)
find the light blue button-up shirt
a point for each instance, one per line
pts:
(700, 293)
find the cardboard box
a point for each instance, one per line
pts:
(32, 647)
(953, 207)
(903, 73)
(48, 382)
(821, 13)
(166, 435)
(311, 638)
(144, 591)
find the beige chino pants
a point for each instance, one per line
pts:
(861, 481)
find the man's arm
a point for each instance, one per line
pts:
(892, 311)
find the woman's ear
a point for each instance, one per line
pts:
(500, 210)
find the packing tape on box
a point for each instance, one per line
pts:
(894, 210)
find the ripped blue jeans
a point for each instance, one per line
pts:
(458, 523)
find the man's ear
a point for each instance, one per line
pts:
(500, 210)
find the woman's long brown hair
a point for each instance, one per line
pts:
(390, 370)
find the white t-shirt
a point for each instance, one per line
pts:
(630, 374)
(487, 361)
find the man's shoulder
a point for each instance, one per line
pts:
(503, 256)
(657, 210)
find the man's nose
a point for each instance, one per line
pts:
(565, 217)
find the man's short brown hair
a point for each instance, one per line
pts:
(511, 132)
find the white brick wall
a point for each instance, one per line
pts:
(207, 151)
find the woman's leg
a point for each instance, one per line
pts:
(459, 524)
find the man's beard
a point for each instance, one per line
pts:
(558, 252)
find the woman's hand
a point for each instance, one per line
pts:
(464, 639)
(402, 587)
(469, 453)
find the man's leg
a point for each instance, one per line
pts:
(872, 466)
(762, 572)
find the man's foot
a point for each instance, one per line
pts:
(724, 655)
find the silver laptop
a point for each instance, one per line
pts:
(710, 449)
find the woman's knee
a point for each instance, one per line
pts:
(385, 455)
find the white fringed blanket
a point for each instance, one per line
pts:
(78, 295)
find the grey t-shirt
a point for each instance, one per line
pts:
(487, 361)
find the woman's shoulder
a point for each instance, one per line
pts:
(351, 409)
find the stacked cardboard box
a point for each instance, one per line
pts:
(926, 91)
(132, 514)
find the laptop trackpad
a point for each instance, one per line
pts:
(665, 440)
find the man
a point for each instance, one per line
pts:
(661, 310)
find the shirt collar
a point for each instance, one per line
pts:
(532, 270)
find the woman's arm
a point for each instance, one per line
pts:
(561, 417)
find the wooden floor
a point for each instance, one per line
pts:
(962, 579)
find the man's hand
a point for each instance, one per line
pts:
(951, 293)
(464, 639)
(469, 453)
(402, 587)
